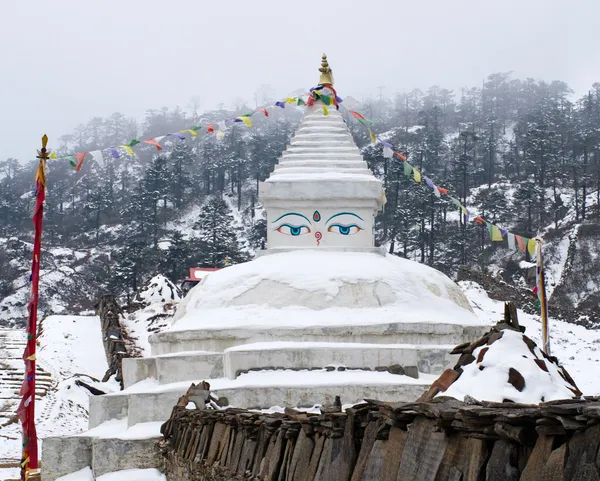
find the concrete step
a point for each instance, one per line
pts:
(170, 368)
(218, 340)
(107, 448)
(150, 401)
(305, 355)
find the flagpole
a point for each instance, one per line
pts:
(541, 292)
(26, 410)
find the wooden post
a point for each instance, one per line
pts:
(541, 293)
(26, 410)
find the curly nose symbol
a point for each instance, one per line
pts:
(318, 236)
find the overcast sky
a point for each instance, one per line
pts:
(65, 61)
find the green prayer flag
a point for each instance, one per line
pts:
(407, 170)
(132, 143)
(195, 128)
(72, 160)
(300, 101)
(326, 99)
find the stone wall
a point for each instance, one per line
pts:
(443, 440)
(113, 337)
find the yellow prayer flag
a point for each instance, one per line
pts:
(189, 131)
(373, 138)
(531, 246)
(220, 135)
(128, 149)
(417, 175)
(53, 155)
(246, 120)
(325, 111)
(496, 234)
(290, 100)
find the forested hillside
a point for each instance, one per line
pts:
(522, 153)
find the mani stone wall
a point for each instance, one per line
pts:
(442, 440)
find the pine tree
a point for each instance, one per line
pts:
(215, 230)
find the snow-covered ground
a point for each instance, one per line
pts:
(71, 350)
(577, 348)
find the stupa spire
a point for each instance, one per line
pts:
(326, 73)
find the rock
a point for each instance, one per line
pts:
(396, 369)
(516, 379)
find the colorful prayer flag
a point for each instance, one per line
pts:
(325, 111)
(80, 156)
(388, 153)
(511, 240)
(178, 135)
(193, 133)
(133, 143)
(281, 104)
(496, 234)
(290, 100)
(479, 220)
(128, 149)
(372, 136)
(356, 115)
(442, 190)
(210, 129)
(264, 111)
(522, 242)
(196, 128)
(402, 156)
(531, 246)
(246, 120)
(114, 152)
(301, 101)
(407, 169)
(156, 144)
(416, 175)
(220, 135)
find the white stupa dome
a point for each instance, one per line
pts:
(323, 288)
(321, 267)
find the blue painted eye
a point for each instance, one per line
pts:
(344, 229)
(294, 230)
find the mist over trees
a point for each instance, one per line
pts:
(520, 151)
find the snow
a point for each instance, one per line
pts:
(125, 475)
(134, 475)
(72, 345)
(576, 347)
(264, 346)
(159, 289)
(322, 288)
(84, 474)
(488, 380)
(286, 378)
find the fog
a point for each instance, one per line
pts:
(65, 61)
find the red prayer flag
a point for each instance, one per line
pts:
(442, 190)
(402, 156)
(80, 156)
(356, 115)
(210, 129)
(153, 142)
(479, 220)
(520, 242)
(265, 111)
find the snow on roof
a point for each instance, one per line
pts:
(510, 367)
(313, 288)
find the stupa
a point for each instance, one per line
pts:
(322, 312)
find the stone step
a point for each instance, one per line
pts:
(288, 169)
(170, 368)
(107, 448)
(218, 340)
(330, 164)
(304, 355)
(326, 156)
(149, 401)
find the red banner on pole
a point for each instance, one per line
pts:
(26, 410)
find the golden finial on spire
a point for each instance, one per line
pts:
(326, 73)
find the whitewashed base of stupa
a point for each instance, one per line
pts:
(257, 369)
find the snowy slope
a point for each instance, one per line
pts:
(71, 349)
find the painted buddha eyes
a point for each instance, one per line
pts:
(344, 229)
(294, 230)
(296, 224)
